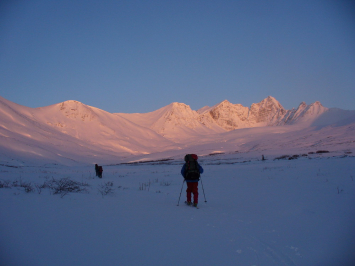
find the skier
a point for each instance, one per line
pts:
(191, 171)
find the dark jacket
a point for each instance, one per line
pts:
(183, 172)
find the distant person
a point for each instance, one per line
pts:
(191, 171)
(100, 170)
(97, 170)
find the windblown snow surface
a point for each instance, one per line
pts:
(272, 212)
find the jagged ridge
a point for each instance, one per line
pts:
(177, 121)
(268, 112)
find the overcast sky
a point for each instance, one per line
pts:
(138, 56)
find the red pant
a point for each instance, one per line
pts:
(192, 188)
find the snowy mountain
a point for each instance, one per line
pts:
(226, 115)
(100, 128)
(305, 113)
(175, 121)
(71, 131)
(268, 112)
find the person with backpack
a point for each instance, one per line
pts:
(191, 171)
(97, 170)
(100, 170)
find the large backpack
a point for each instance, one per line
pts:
(192, 170)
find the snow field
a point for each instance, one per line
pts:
(298, 212)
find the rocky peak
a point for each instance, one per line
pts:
(269, 102)
(180, 110)
(267, 111)
(298, 112)
(224, 103)
(302, 105)
(76, 110)
(315, 108)
(226, 115)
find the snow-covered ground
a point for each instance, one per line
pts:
(273, 212)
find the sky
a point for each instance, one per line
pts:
(138, 56)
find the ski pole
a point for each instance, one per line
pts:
(181, 191)
(203, 191)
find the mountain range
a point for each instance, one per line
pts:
(74, 132)
(178, 122)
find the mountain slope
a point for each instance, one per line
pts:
(100, 128)
(175, 121)
(73, 131)
(26, 139)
